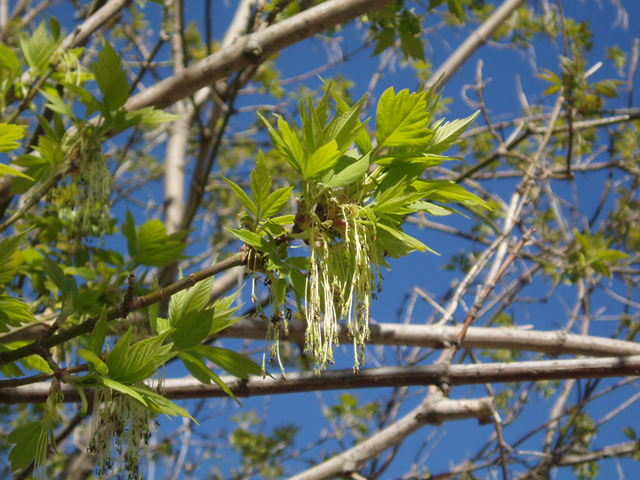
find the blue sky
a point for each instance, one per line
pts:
(503, 65)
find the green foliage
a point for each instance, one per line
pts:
(150, 245)
(262, 453)
(350, 207)
(592, 256)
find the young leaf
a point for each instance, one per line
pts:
(56, 104)
(293, 143)
(192, 328)
(349, 168)
(345, 127)
(446, 191)
(154, 247)
(118, 354)
(110, 78)
(129, 232)
(260, 183)
(8, 135)
(54, 272)
(401, 120)
(160, 404)
(84, 96)
(445, 136)
(222, 318)
(9, 60)
(279, 144)
(323, 159)
(99, 333)
(14, 312)
(243, 197)
(139, 361)
(191, 299)
(31, 442)
(7, 170)
(251, 238)
(94, 362)
(363, 142)
(204, 375)
(37, 48)
(119, 387)
(230, 361)
(276, 202)
(311, 129)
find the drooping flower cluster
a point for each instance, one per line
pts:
(340, 281)
(119, 425)
(85, 192)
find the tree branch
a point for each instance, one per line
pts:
(181, 389)
(250, 49)
(474, 41)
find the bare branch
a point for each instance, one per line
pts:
(435, 375)
(250, 49)
(474, 41)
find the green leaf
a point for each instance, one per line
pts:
(323, 159)
(144, 358)
(251, 238)
(199, 370)
(8, 135)
(55, 273)
(37, 48)
(384, 39)
(7, 170)
(129, 232)
(192, 328)
(196, 367)
(445, 136)
(124, 389)
(148, 116)
(94, 361)
(230, 361)
(85, 97)
(99, 333)
(410, 30)
(8, 248)
(293, 144)
(363, 142)
(160, 404)
(223, 311)
(44, 124)
(401, 120)
(260, 183)
(191, 299)
(10, 370)
(243, 197)
(446, 191)
(349, 168)
(346, 127)
(321, 108)
(312, 129)
(9, 60)
(283, 148)
(276, 202)
(56, 104)
(110, 78)
(137, 362)
(31, 442)
(54, 28)
(608, 87)
(154, 247)
(86, 301)
(118, 354)
(14, 312)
